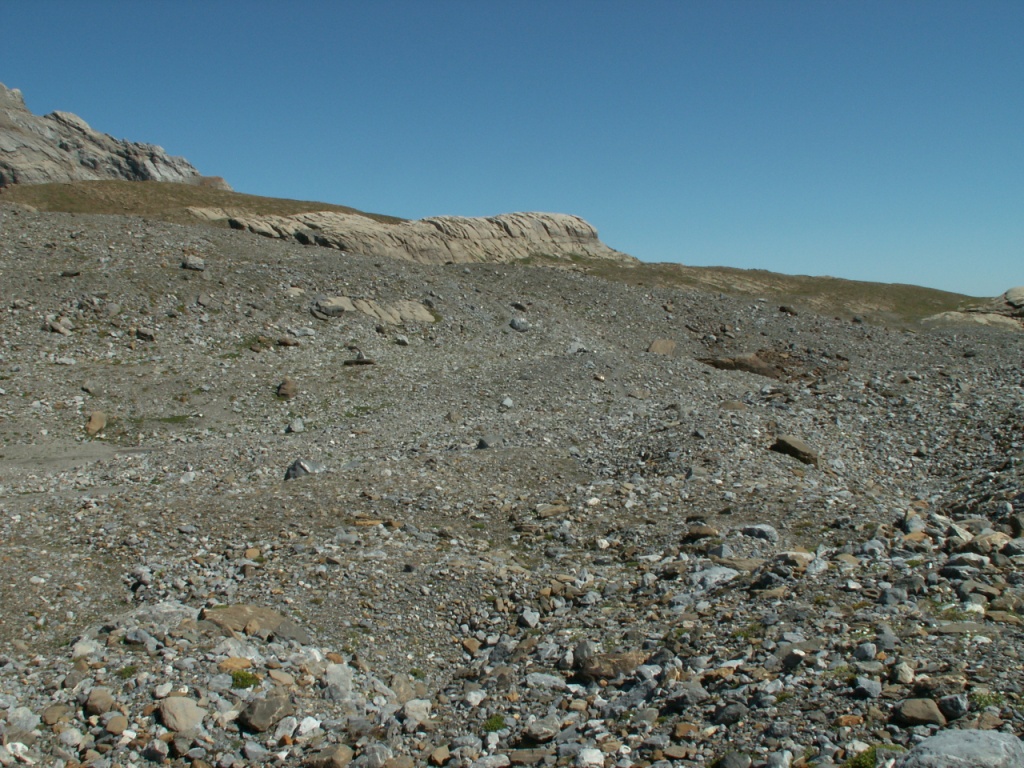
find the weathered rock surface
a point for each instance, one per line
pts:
(965, 749)
(439, 240)
(62, 147)
(1004, 311)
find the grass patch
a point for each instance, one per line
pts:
(127, 673)
(494, 723)
(869, 757)
(243, 678)
(180, 419)
(983, 699)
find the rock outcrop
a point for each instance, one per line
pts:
(62, 147)
(1006, 311)
(505, 238)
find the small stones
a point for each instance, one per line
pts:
(628, 571)
(520, 324)
(193, 262)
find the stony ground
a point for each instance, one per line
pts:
(520, 534)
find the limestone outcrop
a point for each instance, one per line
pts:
(1005, 310)
(439, 240)
(61, 147)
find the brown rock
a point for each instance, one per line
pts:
(99, 701)
(234, 663)
(750, 363)
(911, 712)
(334, 756)
(53, 713)
(96, 423)
(698, 532)
(608, 666)
(287, 389)
(685, 732)
(662, 347)
(795, 447)
(117, 725)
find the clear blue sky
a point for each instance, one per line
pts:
(870, 139)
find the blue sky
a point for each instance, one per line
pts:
(872, 140)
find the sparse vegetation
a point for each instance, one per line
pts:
(869, 757)
(243, 678)
(494, 723)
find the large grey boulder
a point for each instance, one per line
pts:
(61, 147)
(966, 749)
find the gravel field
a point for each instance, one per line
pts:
(533, 517)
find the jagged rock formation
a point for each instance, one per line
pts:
(1006, 310)
(62, 147)
(505, 238)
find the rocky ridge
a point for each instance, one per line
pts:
(534, 519)
(1006, 310)
(438, 240)
(61, 147)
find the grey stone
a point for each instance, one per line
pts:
(263, 714)
(179, 713)
(301, 467)
(867, 688)
(965, 749)
(761, 531)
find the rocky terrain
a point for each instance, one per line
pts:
(61, 147)
(267, 504)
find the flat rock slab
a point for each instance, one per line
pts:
(749, 363)
(966, 749)
(790, 445)
(256, 620)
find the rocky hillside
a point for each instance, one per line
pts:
(262, 503)
(62, 147)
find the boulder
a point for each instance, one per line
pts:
(965, 749)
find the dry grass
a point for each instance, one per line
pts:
(880, 302)
(160, 200)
